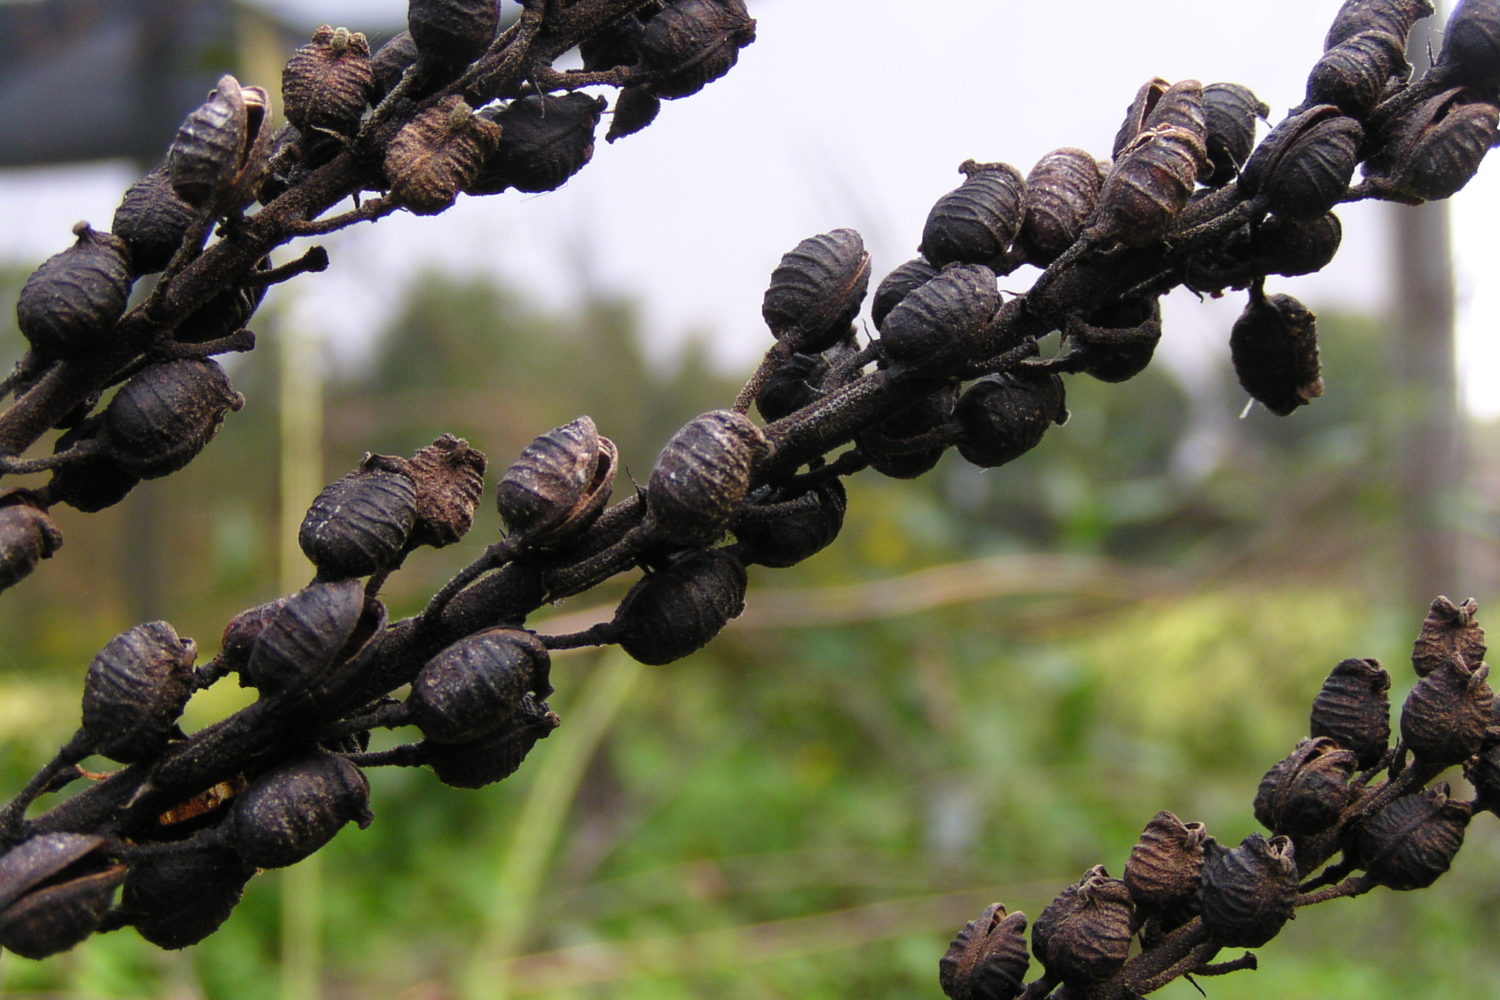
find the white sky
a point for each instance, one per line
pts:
(842, 113)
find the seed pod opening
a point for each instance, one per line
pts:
(701, 476)
(69, 304)
(558, 485)
(694, 42)
(1230, 111)
(1307, 790)
(437, 154)
(937, 320)
(1448, 630)
(1444, 719)
(222, 149)
(27, 536)
(1354, 710)
(166, 414)
(177, 899)
(910, 441)
(152, 220)
(470, 688)
(544, 140)
(450, 34)
(676, 611)
(290, 812)
(976, 222)
(1001, 417)
(304, 637)
(897, 285)
(1303, 167)
(987, 960)
(1436, 149)
(816, 290)
(790, 538)
(135, 690)
(1062, 191)
(1274, 347)
(238, 640)
(360, 524)
(1249, 892)
(327, 83)
(495, 757)
(1083, 936)
(1166, 863)
(54, 891)
(1139, 110)
(1148, 185)
(1412, 841)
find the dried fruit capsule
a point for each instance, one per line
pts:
(54, 891)
(1136, 114)
(694, 42)
(936, 321)
(1230, 111)
(496, 756)
(676, 611)
(1483, 772)
(701, 476)
(1448, 630)
(1116, 341)
(987, 960)
(1471, 45)
(787, 539)
(303, 637)
(291, 811)
(558, 485)
(902, 445)
(635, 108)
(897, 285)
(135, 690)
(70, 303)
(437, 154)
(1353, 709)
(1062, 191)
(178, 898)
(1303, 167)
(450, 34)
(221, 315)
(448, 477)
(27, 536)
(1249, 892)
(1436, 149)
(1444, 718)
(1394, 16)
(976, 222)
(544, 140)
(1295, 246)
(327, 82)
(1306, 791)
(222, 149)
(792, 386)
(390, 63)
(816, 290)
(1412, 841)
(360, 524)
(160, 419)
(471, 687)
(152, 220)
(94, 480)
(1083, 936)
(1148, 185)
(1001, 417)
(1353, 74)
(238, 640)
(1274, 347)
(618, 43)
(1166, 863)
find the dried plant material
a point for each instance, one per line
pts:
(1354, 710)
(543, 141)
(702, 475)
(1249, 892)
(1274, 347)
(816, 290)
(135, 690)
(1446, 716)
(328, 82)
(558, 485)
(1449, 630)
(976, 222)
(1306, 791)
(69, 304)
(437, 154)
(987, 960)
(166, 414)
(1166, 863)
(153, 220)
(1412, 841)
(1062, 191)
(291, 811)
(675, 611)
(222, 149)
(471, 688)
(361, 523)
(1230, 112)
(1083, 936)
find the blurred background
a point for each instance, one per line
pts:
(988, 685)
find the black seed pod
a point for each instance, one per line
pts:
(544, 140)
(616, 44)
(291, 811)
(69, 304)
(1230, 111)
(159, 420)
(1303, 167)
(897, 285)
(1483, 772)
(987, 960)
(676, 611)
(976, 222)
(787, 539)
(304, 637)
(1136, 114)
(221, 315)
(1448, 630)
(178, 898)
(152, 220)
(470, 688)
(327, 82)
(902, 445)
(1354, 710)
(450, 34)
(1307, 790)
(390, 63)
(1116, 341)
(1148, 185)
(437, 154)
(222, 149)
(1444, 719)
(360, 524)
(93, 482)
(1393, 16)
(494, 757)
(1166, 863)
(694, 42)
(54, 891)
(1001, 417)
(816, 290)
(238, 640)
(1083, 936)
(1249, 892)
(449, 479)
(1274, 347)
(635, 108)
(701, 476)
(794, 385)
(558, 485)
(1180, 105)
(27, 536)
(1436, 148)
(135, 690)
(1291, 246)
(1353, 74)
(937, 320)
(1471, 45)
(1062, 192)
(1412, 841)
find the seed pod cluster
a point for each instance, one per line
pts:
(1274, 348)
(152, 220)
(1166, 864)
(1249, 892)
(222, 149)
(470, 688)
(178, 898)
(166, 414)
(675, 611)
(1449, 630)
(360, 524)
(450, 34)
(1083, 936)
(1230, 111)
(1353, 709)
(1307, 790)
(558, 485)
(701, 476)
(302, 638)
(692, 43)
(1444, 719)
(494, 757)
(1436, 148)
(1303, 167)
(328, 82)
(544, 140)
(816, 290)
(1062, 191)
(135, 690)
(1412, 841)
(910, 441)
(54, 891)
(976, 222)
(987, 960)
(69, 304)
(1001, 417)
(27, 536)
(291, 811)
(437, 154)
(936, 320)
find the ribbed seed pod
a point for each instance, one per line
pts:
(291, 811)
(221, 315)
(976, 222)
(1354, 709)
(676, 611)
(694, 42)
(938, 319)
(179, 898)
(1230, 111)
(304, 637)
(897, 285)
(54, 891)
(1436, 148)
(616, 44)
(437, 154)
(222, 149)
(794, 385)
(816, 290)
(360, 524)
(1148, 186)
(470, 688)
(701, 476)
(1180, 105)
(1483, 772)
(1449, 630)
(135, 690)
(390, 63)
(1295, 246)
(238, 640)
(69, 304)
(152, 220)
(450, 34)
(635, 108)
(898, 445)
(27, 536)
(787, 539)
(1303, 167)
(558, 485)
(1307, 790)
(1136, 114)
(1274, 348)
(1353, 74)
(544, 140)
(1444, 719)
(1393, 16)
(93, 482)
(1083, 936)
(1412, 841)
(1116, 341)
(1471, 45)
(1062, 191)
(1166, 863)
(448, 477)
(1249, 892)
(160, 419)
(494, 757)
(1001, 417)
(327, 83)
(987, 960)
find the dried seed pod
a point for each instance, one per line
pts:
(1448, 630)
(160, 419)
(327, 82)
(1303, 167)
(222, 149)
(437, 154)
(471, 687)
(95, 480)
(1353, 74)
(1307, 790)
(1295, 246)
(304, 637)
(291, 811)
(390, 63)
(1062, 191)
(902, 445)
(1166, 863)
(1471, 45)
(1274, 347)
(1136, 114)
(1393, 16)
(1483, 772)
(1148, 186)
(1116, 341)
(1412, 841)
(135, 690)
(616, 44)
(897, 285)
(544, 140)
(676, 611)
(935, 322)
(816, 290)
(1444, 719)
(496, 756)
(987, 960)
(238, 640)
(69, 304)
(1083, 936)
(1230, 111)
(1354, 710)
(558, 485)
(1001, 417)
(1180, 105)
(360, 524)
(152, 220)
(794, 385)
(635, 108)
(788, 539)
(450, 34)
(1248, 892)
(27, 536)
(701, 476)
(221, 315)
(178, 898)
(1436, 149)
(449, 479)
(54, 891)
(694, 42)
(976, 222)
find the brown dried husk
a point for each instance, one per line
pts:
(178, 898)
(152, 220)
(1084, 935)
(1445, 717)
(1353, 74)
(789, 539)
(1303, 167)
(360, 524)
(222, 148)
(494, 757)
(327, 83)
(675, 611)
(449, 479)
(987, 960)
(887, 443)
(165, 415)
(1471, 45)
(544, 140)
(450, 34)
(816, 290)
(1412, 841)
(1136, 113)
(901, 282)
(304, 637)
(1166, 863)
(68, 305)
(471, 687)
(1353, 709)
(1437, 148)
(1274, 349)
(1306, 791)
(701, 476)
(558, 485)
(135, 690)
(1148, 185)
(1001, 417)
(941, 317)
(27, 536)
(1230, 111)
(1249, 892)
(291, 811)
(1062, 191)
(693, 43)
(635, 108)
(57, 917)
(1117, 341)
(1394, 16)
(976, 222)
(1448, 630)
(437, 154)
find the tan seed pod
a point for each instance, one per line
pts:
(222, 149)
(1445, 717)
(135, 690)
(701, 476)
(1412, 841)
(816, 290)
(1083, 936)
(1062, 191)
(1448, 630)
(68, 305)
(976, 222)
(675, 611)
(1274, 348)
(1305, 792)
(27, 536)
(327, 83)
(987, 960)
(449, 479)
(1249, 892)
(558, 485)
(166, 414)
(437, 154)
(1166, 863)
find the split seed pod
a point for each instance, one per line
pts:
(558, 485)
(1136, 114)
(788, 539)
(152, 220)
(1001, 417)
(135, 690)
(178, 898)
(1166, 863)
(976, 222)
(1393, 16)
(936, 321)
(164, 416)
(494, 757)
(290, 812)
(27, 536)
(901, 445)
(327, 82)
(360, 524)
(987, 960)
(69, 304)
(701, 476)
(1116, 341)
(304, 637)
(816, 290)
(1249, 892)
(449, 479)
(797, 383)
(54, 891)
(1353, 74)
(470, 688)
(1062, 191)
(1083, 936)
(1230, 111)
(1303, 167)
(544, 140)
(222, 149)
(694, 42)
(1148, 185)
(676, 611)
(1274, 347)
(1412, 841)
(1471, 45)
(1448, 630)
(1436, 149)
(1444, 719)
(897, 285)
(437, 154)
(1307, 790)
(1354, 710)
(450, 34)
(238, 640)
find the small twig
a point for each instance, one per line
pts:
(315, 259)
(375, 208)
